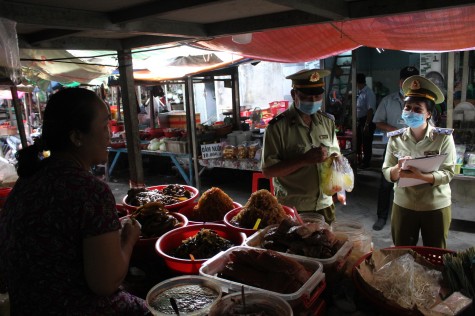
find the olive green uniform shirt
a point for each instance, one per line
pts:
(423, 197)
(287, 137)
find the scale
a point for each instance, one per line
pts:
(228, 119)
(244, 126)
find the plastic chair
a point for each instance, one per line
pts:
(255, 182)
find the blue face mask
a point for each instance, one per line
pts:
(309, 107)
(412, 119)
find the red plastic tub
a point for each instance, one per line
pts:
(194, 193)
(228, 217)
(4, 192)
(188, 209)
(171, 240)
(145, 247)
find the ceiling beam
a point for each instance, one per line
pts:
(154, 8)
(263, 22)
(76, 43)
(375, 8)
(47, 35)
(143, 41)
(51, 18)
(165, 28)
(334, 9)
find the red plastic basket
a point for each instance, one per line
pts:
(433, 255)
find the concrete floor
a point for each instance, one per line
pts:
(360, 208)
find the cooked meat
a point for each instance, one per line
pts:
(262, 204)
(212, 206)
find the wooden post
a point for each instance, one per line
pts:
(19, 116)
(354, 119)
(235, 96)
(129, 102)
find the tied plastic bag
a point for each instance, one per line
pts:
(8, 174)
(337, 177)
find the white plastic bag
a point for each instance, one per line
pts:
(337, 175)
(8, 174)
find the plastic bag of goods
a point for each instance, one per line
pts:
(337, 175)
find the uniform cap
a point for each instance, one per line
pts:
(309, 81)
(408, 71)
(420, 87)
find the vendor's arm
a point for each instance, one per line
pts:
(107, 256)
(286, 167)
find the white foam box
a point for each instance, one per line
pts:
(306, 295)
(334, 263)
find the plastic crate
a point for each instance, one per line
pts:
(176, 146)
(468, 171)
(307, 295)
(334, 263)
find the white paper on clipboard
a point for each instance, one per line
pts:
(424, 164)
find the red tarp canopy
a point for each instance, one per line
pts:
(439, 30)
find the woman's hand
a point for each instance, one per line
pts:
(411, 172)
(130, 232)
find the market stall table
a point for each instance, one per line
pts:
(173, 156)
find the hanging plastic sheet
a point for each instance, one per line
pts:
(9, 51)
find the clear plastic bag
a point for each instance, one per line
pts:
(10, 66)
(337, 175)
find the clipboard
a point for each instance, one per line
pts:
(424, 164)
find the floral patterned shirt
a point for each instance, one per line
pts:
(42, 227)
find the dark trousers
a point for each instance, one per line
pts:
(385, 196)
(432, 225)
(365, 140)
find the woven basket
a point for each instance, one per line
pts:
(434, 255)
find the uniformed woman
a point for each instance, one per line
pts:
(426, 207)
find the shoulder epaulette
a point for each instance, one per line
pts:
(330, 116)
(444, 131)
(397, 132)
(277, 118)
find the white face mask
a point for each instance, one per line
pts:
(309, 107)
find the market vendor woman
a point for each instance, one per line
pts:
(424, 208)
(295, 144)
(62, 248)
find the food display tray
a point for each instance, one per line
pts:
(306, 295)
(334, 263)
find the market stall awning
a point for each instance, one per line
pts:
(151, 64)
(438, 30)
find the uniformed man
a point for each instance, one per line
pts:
(388, 119)
(426, 207)
(295, 144)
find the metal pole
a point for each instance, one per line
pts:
(191, 126)
(465, 72)
(450, 90)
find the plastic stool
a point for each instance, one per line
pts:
(255, 182)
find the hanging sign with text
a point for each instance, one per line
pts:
(212, 151)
